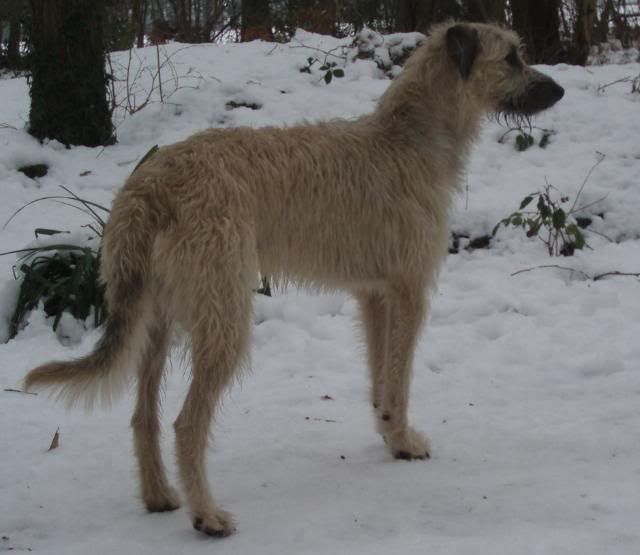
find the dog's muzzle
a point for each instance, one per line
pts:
(541, 93)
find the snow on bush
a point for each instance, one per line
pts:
(388, 51)
(612, 52)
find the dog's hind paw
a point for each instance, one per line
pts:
(218, 524)
(408, 445)
(167, 501)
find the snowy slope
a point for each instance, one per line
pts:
(527, 385)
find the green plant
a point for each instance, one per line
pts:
(553, 221)
(330, 69)
(524, 137)
(63, 275)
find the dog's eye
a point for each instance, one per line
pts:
(512, 58)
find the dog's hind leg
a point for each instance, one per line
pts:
(220, 331)
(407, 305)
(374, 312)
(156, 492)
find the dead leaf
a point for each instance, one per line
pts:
(88, 172)
(55, 441)
(327, 398)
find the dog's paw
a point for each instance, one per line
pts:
(408, 445)
(161, 502)
(218, 523)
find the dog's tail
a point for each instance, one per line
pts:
(125, 267)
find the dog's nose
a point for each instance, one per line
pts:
(544, 94)
(557, 91)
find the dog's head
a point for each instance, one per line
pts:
(488, 59)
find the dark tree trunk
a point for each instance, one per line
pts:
(255, 20)
(138, 21)
(484, 10)
(317, 16)
(68, 78)
(538, 23)
(583, 32)
(419, 15)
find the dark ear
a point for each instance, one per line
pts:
(463, 45)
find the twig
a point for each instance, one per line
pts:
(575, 200)
(326, 53)
(595, 277)
(159, 80)
(552, 266)
(615, 273)
(626, 79)
(11, 390)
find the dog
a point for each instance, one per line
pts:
(360, 206)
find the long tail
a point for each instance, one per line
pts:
(125, 267)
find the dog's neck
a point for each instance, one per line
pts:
(432, 115)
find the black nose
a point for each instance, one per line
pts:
(549, 91)
(541, 95)
(557, 91)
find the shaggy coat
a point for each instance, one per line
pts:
(359, 205)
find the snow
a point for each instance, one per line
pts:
(527, 385)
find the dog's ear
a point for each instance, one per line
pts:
(463, 45)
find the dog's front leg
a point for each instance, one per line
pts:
(407, 307)
(374, 311)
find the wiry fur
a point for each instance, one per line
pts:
(356, 205)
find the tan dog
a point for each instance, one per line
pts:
(360, 206)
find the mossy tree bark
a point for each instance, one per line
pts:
(68, 78)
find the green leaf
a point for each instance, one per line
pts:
(544, 210)
(516, 220)
(525, 201)
(559, 218)
(148, 155)
(338, 72)
(324, 67)
(44, 231)
(545, 139)
(327, 77)
(578, 236)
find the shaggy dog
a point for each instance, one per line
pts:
(360, 206)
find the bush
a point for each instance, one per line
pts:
(63, 275)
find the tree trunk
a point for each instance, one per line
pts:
(68, 78)
(256, 20)
(538, 23)
(492, 11)
(419, 15)
(316, 16)
(583, 32)
(138, 21)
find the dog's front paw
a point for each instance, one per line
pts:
(408, 445)
(217, 523)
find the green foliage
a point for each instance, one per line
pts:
(525, 139)
(64, 276)
(550, 221)
(330, 69)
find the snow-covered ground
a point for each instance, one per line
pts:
(528, 385)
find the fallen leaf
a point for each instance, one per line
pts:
(327, 398)
(55, 441)
(88, 172)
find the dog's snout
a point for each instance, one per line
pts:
(556, 91)
(545, 93)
